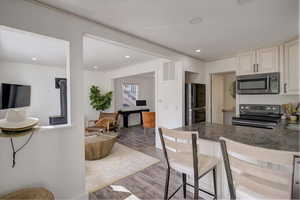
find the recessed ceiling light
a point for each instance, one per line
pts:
(198, 50)
(195, 20)
(96, 67)
(127, 56)
(34, 59)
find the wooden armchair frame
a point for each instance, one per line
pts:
(107, 121)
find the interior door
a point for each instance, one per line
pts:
(217, 96)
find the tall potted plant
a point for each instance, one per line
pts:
(99, 101)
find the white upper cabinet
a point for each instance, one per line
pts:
(258, 61)
(291, 68)
(267, 60)
(246, 63)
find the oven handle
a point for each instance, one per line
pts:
(253, 123)
(247, 78)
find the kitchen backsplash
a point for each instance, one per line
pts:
(267, 99)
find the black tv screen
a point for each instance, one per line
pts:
(14, 96)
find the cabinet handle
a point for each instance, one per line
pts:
(256, 67)
(284, 88)
(253, 67)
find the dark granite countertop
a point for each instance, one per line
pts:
(279, 138)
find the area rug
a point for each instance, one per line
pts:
(122, 162)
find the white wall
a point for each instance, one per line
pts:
(140, 68)
(230, 65)
(55, 158)
(191, 77)
(146, 92)
(267, 99)
(45, 98)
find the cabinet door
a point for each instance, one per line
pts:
(291, 69)
(267, 60)
(246, 63)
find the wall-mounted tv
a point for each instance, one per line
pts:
(14, 96)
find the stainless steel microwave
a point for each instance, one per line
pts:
(268, 83)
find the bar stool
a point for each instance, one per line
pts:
(248, 179)
(181, 154)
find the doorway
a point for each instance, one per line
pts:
(223, 97)
(124, 80)
(134, 94)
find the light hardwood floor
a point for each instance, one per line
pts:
(148, 183)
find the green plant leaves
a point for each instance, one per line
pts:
(99, 101)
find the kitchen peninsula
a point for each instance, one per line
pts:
(278, 138)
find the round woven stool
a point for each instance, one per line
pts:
(30, 193)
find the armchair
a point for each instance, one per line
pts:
(106, 122)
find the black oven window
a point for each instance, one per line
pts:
(260, 84)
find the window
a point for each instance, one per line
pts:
(130, 94)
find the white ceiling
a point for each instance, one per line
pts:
(21, 47)
(109, 56)
(227, 26)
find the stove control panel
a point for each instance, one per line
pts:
(261, 109)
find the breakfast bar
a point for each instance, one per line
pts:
(279, 138)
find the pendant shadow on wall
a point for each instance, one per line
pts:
(61, 84)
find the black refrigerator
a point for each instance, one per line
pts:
(195, 107)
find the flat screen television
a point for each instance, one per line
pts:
(14, 96)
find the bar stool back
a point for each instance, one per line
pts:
(248, 175)
(181, 154)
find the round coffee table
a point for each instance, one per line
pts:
(97, 147)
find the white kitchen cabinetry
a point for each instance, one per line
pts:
(258, 61)
(246, 63)
(291, 68)
(267, 60)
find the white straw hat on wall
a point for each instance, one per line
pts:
(16, 120)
